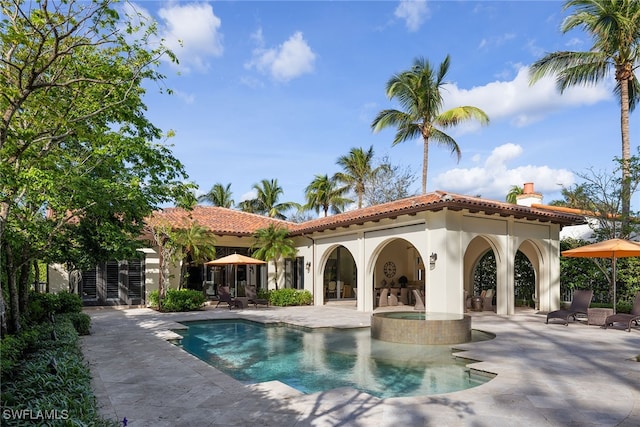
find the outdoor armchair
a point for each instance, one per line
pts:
(225, 296)
(252, 295)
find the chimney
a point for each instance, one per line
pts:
(528, 196)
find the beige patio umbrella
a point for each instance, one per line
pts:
(235, 259)
(613, 248)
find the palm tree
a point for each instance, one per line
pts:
(324, 193)
(218, 196)
(575, 197)
(195, 245)
(615, 29)
(514, 192)
(357, 166)
(266, 202)
(272, 244)
(418, 91)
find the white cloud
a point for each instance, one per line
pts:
(288, 61)
(521, 103)
(493, 178)
(414, 13)
(192, 32)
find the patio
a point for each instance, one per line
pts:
(548, 375)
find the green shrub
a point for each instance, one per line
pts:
(152, 299)
(287, 297)
(179, 300)
(68, 302)
(623, 307)
(50, 377)
(42, 304)
(263, 293)
(81, 322)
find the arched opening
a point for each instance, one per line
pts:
(340, 275)
(526, 274)
(398, 270)
(481, 275)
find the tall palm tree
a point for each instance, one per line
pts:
(266, 201)
(218, 196)
(195, 245)
(614, 26)
(419, 92)
(357, 170)
(324, 193)
(272, 244)
(514, 192)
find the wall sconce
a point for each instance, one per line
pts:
(308, 266)
(432, 259)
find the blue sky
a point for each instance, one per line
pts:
(281, 89)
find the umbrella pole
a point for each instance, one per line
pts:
(614, 284)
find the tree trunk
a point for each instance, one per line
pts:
(626, 154)
(3, 316)
(36, 278)
(23, 286)
(14, 300)
(425, 161)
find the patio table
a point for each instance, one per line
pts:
(597, 316)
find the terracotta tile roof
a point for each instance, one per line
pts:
(436, 201)
(223, 221)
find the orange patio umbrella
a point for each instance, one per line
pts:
(613, 248)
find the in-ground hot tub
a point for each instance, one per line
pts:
(410, 327)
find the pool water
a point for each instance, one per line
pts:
(319, 360)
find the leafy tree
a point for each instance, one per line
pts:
(391, 182)
(79, 165)
(583, 273)
(615, 30)
(161, 234)
(219, 195)
(195, 245)
(514, 192)
(419, 92)
(300, 216)
(273, 244)
(324, 193)
(600, 197)
(357, 170)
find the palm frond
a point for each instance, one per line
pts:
(457, 115)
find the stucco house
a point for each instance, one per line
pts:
(434, 241)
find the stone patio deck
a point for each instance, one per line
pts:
(547, 375)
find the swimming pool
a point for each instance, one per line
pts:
(319, 360)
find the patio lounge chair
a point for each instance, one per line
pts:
(252, 295)
(625, 318)
(579, 305)
(225, 296)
